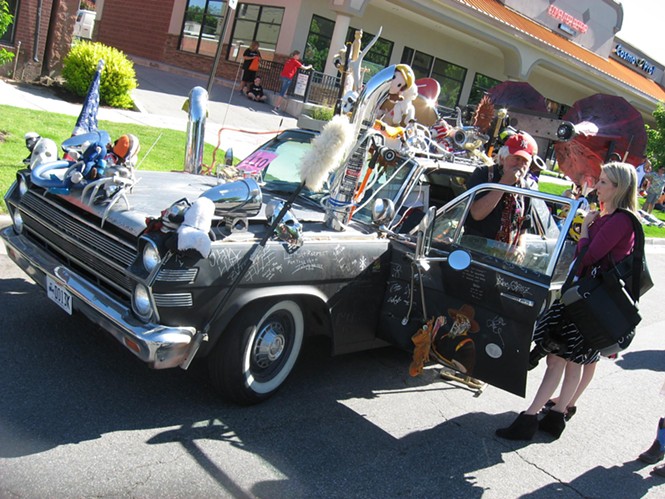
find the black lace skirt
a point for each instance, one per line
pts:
(553, 325)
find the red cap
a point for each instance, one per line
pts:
(522, 144)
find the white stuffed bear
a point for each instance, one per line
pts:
(402, 93)
(193, 232)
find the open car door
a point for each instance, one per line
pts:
(483, 298)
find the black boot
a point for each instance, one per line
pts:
(553, 423)
(657, 450)
(523, 428)
(653, 454)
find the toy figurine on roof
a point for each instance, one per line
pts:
(350, 66)
(398, 109)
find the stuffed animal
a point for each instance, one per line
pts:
(402, 93)
(193, 232)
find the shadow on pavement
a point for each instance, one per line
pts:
(653, 360)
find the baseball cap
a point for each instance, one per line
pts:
(522, 144)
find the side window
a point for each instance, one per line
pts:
(539, 229)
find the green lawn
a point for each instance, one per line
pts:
(167, 154)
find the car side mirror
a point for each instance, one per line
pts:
(383, 211)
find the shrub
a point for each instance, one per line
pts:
(5, 20)
(322, 113)
(118, 76)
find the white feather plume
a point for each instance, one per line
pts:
(326, 153)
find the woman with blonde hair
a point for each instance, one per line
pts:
(608, 237)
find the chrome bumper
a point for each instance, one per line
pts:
(159, 346)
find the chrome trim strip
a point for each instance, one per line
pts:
(518, 299)
(173, 300)
(177, 275)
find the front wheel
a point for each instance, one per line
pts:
(254, 356)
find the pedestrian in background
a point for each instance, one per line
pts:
(655, 189)
(656, 452)
(255, 91)
(291, 67)
(250, 65)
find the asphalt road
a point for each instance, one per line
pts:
(81, 417)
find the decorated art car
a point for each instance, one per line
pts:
(364, 248)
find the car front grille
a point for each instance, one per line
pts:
(79, 243)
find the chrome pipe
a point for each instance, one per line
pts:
(196, 106)
(340, 202)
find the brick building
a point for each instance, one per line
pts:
(41, 35)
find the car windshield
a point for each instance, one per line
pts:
(277, 163)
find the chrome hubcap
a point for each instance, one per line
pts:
(269, 345)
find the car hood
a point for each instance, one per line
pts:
(154, 192)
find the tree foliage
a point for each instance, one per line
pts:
(6, 19)
(656, 137)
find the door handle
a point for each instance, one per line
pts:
(518, 299)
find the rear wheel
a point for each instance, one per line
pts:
(257, 352)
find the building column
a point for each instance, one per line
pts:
(345, 10)
(342, 23)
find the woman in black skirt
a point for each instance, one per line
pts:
(609, 237)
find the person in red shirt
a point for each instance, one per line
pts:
(291, 67)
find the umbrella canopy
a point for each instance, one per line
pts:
(517, 95)
(609, 128)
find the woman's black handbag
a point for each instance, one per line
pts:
(603, 305)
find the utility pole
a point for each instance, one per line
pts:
(232, 4)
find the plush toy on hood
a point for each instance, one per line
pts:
(194, 231)
(403, 92)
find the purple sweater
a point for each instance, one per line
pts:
(609, 235)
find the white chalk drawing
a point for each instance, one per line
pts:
(514, 286)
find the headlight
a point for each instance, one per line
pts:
(141, 302)
(18, 222)
(22, 186)
(151, 257)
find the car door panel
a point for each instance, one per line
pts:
(484, 314)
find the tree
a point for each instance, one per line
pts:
(656, 137)
(6, 19)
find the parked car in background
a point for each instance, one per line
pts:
(85, 24)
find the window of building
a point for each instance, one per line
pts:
(202, 26)
(450, 76)
(8, 36)
(319, 39)
(256, 22)
(422, 64)
(481, 84)
(378, 56)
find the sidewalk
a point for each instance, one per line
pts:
(161, 92)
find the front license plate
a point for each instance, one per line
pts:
(59, 295)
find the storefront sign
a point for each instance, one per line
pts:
(567, 19)
(301, 84)
(639, 62)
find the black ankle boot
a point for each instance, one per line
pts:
(653, 454)
(553, 423)
(523, 428)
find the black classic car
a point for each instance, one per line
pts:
(282, 261)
